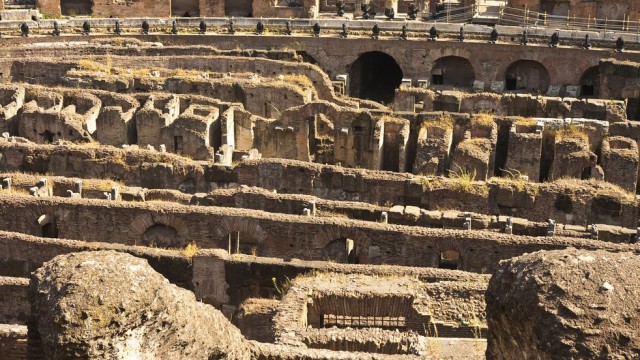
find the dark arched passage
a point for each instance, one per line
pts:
(185, 8)
(162, 236)
(375, 76)
(527, 75)
(76, 7)
(453, 71)
(590, 82)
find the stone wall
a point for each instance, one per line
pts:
(13, 343)
(335, 56)
(14, 304)
(23, 254)
(276, 235)
(106, 8)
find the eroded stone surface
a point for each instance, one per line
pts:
(567, 304)
(102, 305)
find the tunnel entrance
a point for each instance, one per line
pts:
(453, 71)
(375, 76)
(243, 8)
(590, 82)
(527, 75)
(76, 7)
(185, 8)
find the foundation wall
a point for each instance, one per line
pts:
(271, 235)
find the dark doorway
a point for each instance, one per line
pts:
(375, 76)
(449, 259)
(49, 230)
(76, 7)
(161, 235)
(241, 8)
(590, 82)
(185, 8)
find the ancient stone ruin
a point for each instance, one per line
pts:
(306, 179)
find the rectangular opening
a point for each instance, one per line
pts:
(587, 90)
(437, 80)
(511, 84)
(177, 144)
(346, 321)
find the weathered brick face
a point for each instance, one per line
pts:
(113, 8)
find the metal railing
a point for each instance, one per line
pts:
(525, 17)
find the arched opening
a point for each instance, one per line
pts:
(564, 203)
(590, 82)
(185, 8)
(242, 8)
(239, 242)
(48, 226)
(76, 7)
(453, 71)
(449, 259)
(341, 250)
(554, 7)
(161, 235)
(527, 75)
(375, 76)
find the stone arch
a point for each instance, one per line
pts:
(342, 250)
(76, 7)
(240, 235)
(185, 8)
(142, 223)
(454, 71)
(330, 240)
(242, 8)
(48, 226)
(161, 235)
(527, 75)
(375, 76)
(590, 82)
(450, 259)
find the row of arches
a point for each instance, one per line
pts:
(341, 250)
(376, 75)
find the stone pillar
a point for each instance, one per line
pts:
(6, 183)
(115, 192)
(77, 187)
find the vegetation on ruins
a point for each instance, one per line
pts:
(282, 286)
(571, 131)
(482, 119)
(466, 180)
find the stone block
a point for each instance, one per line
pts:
(478, 85)
(497, 86)
(554, 91)
(573, 91)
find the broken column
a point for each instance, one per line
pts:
(77, 187)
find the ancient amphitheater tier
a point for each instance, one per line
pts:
(319, 179)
